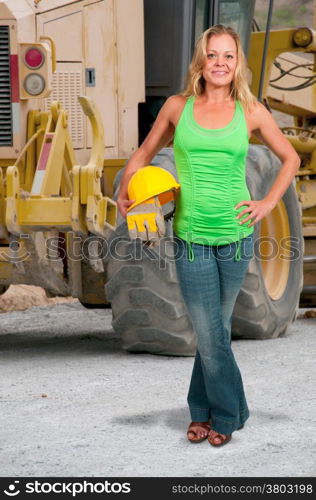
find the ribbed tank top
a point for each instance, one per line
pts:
(211, 166)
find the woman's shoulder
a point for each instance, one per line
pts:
(174, 106)
(258, 116)
(255, 109)
(176, 101)
(177, 98)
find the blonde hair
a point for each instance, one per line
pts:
(195, 82)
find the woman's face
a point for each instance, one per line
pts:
(221, 60)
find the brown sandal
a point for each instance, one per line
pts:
(223, 440)
(205, 426)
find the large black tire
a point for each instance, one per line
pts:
(269, 298)
(147, 306)
(148, 310)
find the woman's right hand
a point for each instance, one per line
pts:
(123, 205)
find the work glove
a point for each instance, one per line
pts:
(146, 221)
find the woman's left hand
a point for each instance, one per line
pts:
(257, 210)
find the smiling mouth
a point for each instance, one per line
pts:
(220, 72)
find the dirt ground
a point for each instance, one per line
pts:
(21, 297)
(73, 403)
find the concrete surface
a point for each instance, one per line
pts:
(74, 404)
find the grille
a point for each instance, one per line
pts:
(5, 89)
(67, 85)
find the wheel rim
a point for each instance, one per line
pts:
(275, 250)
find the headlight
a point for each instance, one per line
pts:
(34, 84)
(34, 58)
(302, 37)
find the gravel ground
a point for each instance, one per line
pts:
(73, 403)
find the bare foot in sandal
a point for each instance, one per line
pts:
(217, 439)
(198, 431)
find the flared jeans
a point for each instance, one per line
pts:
(210, 286)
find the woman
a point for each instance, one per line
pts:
(210, 124)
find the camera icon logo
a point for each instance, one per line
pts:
(12, 489)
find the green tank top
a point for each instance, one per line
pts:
(211, 166)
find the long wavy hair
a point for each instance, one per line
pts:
(195, 83)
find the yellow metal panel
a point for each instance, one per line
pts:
(100, 54)
(280, 41)
(56, 149)
(111, 168)
(6, 162)
(78, 209)
(47, 212)
(48, 5)
(306, 190)
(13, 191)
(3, 230)
(69, 46)
(301, 102)
(130, 71)
(6, 269)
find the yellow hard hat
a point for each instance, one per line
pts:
(151, 181)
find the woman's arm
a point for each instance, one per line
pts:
(265, 128)
(161, 133)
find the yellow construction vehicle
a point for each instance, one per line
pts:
(70, 68)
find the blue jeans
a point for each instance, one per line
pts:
(210, 286)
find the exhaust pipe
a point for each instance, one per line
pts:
(309, 289)
(309, 259)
